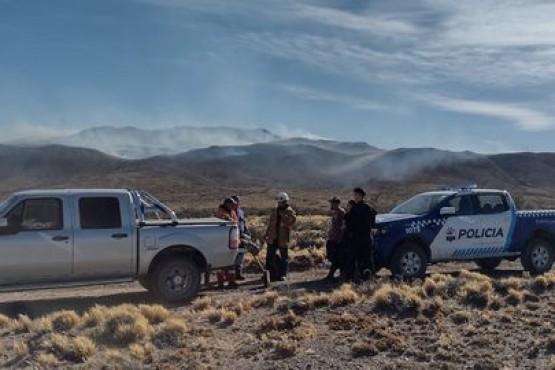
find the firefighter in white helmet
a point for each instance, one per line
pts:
(278, 236)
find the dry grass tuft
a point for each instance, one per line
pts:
(222, 316)
(285, 349)
(265, 300)
(344, 296)
(125, 325)
(477, 293)
(286, 322)
(473, 276)
(25, 325)
(343, 323)
(202, 303)
(170, 333)
(460, 317)
(73, 349)
(48, 360)
(5, 321)
(443, 285)
(364, 349)
(397, 299)
(504, 285)
(20, 348)
(64, 320)
(155, 314)
(514, 297)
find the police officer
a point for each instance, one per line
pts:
(359, 222)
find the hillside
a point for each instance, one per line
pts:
(135, 143)
(312, 169)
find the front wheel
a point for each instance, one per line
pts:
(175, 280)
(538, 256)
(488, 263)
(409, 261)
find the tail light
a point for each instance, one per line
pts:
(234, 238)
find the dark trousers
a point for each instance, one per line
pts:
(333, 254)
(359, 257)
(277, 266)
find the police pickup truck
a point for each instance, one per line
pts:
(68, 238)
(463, 224)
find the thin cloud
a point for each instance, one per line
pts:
(524, 118)
(386, 26)
(312, 94)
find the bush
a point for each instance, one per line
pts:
(397, 299)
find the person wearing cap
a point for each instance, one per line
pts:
(226, 211)
(335, 236)
(278, 236)
(244, 235)
(359, 223)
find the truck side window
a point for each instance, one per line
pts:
(492, 203)
(99, 213)
(464, 205)
(37, 215)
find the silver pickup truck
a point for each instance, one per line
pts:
(67, 238)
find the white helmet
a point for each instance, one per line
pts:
(282, 197)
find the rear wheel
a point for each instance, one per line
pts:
(488, 263)
(175, 280)
(409, 261)
(538, 256)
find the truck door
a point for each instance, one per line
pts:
(479, 229)
(103, 238)
(37, 244)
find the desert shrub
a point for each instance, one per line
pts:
(285, 349)
(364, 349)
(343, 322)
(5, 321)
(477, 293)
(460, 317)
(504, 285)
(265, 300)
(170, 333)
(123, 326)
(64, 320)
(397, 299)
(73, 349)
(286, 322)
(25, 325)
(343, 296)
(514, 297)
(155, 314)
(222, 316)
(443, 285)
(202, 303)
(20, 348)
(48, 360)
(141, 352)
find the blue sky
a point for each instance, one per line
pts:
(462, 75)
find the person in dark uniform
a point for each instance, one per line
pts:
(359, 222)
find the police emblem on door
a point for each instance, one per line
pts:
(450, 234)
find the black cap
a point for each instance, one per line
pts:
(359, 191)
(236, 198)
(335, 199)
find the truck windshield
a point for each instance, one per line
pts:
(5, 203)
(419, 205)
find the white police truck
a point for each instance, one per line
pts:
(466, 223)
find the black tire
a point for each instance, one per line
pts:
(409, 261)
(175, 280)
(145, 282)
(488, 264)
(537, 256)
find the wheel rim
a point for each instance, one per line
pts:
(540, 257)
(177, 280)
(411, 263)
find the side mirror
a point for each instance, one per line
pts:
(448, 211)
(3, 222)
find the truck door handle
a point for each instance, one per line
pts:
(119, 236)
(60, 238)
